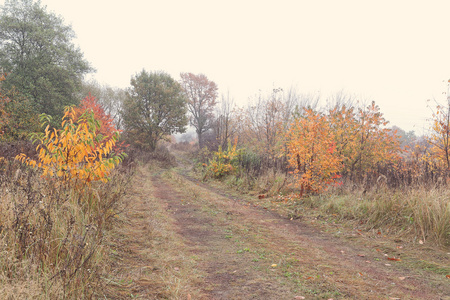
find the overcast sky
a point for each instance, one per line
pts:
(394, 52)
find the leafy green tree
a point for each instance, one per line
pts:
(155, 107)
(37, 52)
(17, 117)
(23, 120)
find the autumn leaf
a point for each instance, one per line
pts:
(394, 259)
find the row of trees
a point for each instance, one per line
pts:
(156, 106)
(42, 72)
(288, 131)
(344, 138)
(45, 74)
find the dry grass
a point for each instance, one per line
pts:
(422, 213)
(148, 257)
(51, 235)
(271, 183)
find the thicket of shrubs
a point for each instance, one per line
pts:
(341, 157)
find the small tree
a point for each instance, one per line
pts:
(202, 94)
(106, 127)
(155, 107)
(223, 127)
(440, 134)
(362, 139)
(311, 152)
(375, 143)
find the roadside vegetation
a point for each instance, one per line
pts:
(343, 160)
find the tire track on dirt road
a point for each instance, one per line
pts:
(251, 253)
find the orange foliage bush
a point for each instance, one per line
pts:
(75, 154)
(107, 128)
(311, 152)
(362, 139)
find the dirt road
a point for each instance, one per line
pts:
(186, 240)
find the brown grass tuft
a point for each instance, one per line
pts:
(421, 212)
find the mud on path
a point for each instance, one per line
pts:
(229, 249)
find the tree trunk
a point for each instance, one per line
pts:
(200, 140)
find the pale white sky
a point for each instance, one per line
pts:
(394, 52)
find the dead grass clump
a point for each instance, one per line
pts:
(420, 211)
(51, 234)
(272, 183)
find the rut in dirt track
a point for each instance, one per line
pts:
(339, 267)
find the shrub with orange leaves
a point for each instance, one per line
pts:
(362, 139)
(75, 154)
(107, 127)
(311, 152)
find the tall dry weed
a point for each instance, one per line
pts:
(51, 235)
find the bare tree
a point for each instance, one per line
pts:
(202, 94)
(340, 100)
(262, 121)
(223, 125)
(294, 102)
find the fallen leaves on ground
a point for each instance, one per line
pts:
(393, 258)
